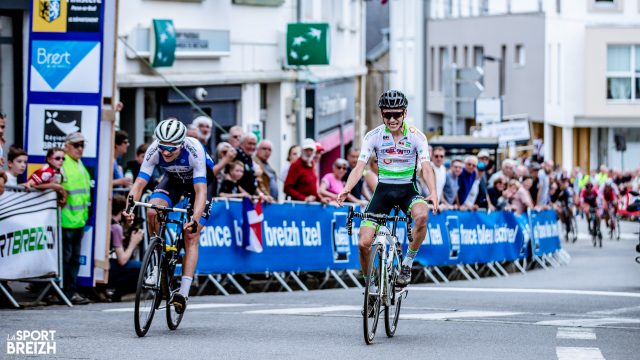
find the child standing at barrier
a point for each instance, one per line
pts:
(229, 187)
(17, 165)
(49, 176)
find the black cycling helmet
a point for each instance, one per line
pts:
(392, 99)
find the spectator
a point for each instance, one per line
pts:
(123, 272)
(331, 184)
(451, 185)
(534, 170)
(440, 170)
(224, 155)
(203, 124)
(292, 155)
(230, 187)
(3, 181)
(17, 165)
(507, 171)
(235, 134)
(467, 178)
(120, 148)
(302, 182)
(132, 168)
(543, 183)
(268, 180)
(77, 183)
(245, 152)
(3, 124)
(495, 193)
(482, 200)
(316, 158)
(358, 190)
(519, 198)
(538, 150)
(489, 165)
(49, 176)
(602, 176)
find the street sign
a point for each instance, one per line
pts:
(470, 90)
(488, 110)
(308, 44)
(506, 131)
(471, 74)
(461, 88)
(163, 43)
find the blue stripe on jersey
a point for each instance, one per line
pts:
(144, 175)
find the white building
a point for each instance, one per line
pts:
(572, 66)
(243, 70)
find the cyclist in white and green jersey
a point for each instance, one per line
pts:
(399, 149)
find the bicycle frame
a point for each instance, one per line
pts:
(389, 242)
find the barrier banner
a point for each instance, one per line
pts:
(545, 235)
(312, 237)
(28, 235)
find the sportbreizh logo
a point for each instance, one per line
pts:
(32, 342)
(49, 10)
(58, 124)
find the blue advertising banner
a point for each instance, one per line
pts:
(311, 237)
(64, 91)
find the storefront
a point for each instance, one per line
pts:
(331, 122)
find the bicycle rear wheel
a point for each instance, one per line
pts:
(617, 230)
(148, 289)
(372, 301)
(173, 285)
(573, 232)
(392, 311)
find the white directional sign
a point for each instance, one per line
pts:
(488, 110)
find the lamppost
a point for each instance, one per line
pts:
(500, 64)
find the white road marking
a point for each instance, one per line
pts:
(615, 311)
(304, 311)
(528, 291)
(578, 353)
(190, 307)
(589, 322)
(576, 334)
(456, 315)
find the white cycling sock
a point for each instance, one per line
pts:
(408, 261)
(185, 285)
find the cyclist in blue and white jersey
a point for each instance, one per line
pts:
(185, 164)
(399, 149)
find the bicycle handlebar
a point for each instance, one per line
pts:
(189, 210)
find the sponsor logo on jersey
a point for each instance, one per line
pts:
(412, 129)
(396, 151)
(151, 152)
(387, 161)
(387, 143)
(386, 137)
(191, 150)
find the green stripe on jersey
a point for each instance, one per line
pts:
(396, 173)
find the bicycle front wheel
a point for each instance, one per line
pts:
(392, 311)
(148, 289)
(372, 300)
(173, 285)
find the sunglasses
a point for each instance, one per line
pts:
(438, 156)
(393, 114)
(78, 145)
(341, 167)
(168, 148)
(57, 158)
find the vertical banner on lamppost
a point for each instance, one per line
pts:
(64, 90)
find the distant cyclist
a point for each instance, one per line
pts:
(610, 195)
(399, 148)
(185, 163)
(589, 200)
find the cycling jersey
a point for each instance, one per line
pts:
(590, 198)
(396, 161)
(611, 194)
(190, 165)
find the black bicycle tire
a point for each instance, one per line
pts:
(170, 323)
(574, 229)
(154, 246)
(390, 326)
(370, 335)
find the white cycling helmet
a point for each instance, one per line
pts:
(171, 131)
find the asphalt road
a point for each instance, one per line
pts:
(589, 309)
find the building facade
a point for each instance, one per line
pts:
(571, 66)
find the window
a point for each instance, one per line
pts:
(520, 57)
(465, 55)
(478, 56)
(442, 65)
(623, 72)
(454, 55)
(605, 5)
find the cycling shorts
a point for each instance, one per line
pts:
(386, 196)
(171, 190)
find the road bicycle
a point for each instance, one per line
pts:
(385, 263)
(570, 224)
(594, 227)
(157, 279)
(613, 222)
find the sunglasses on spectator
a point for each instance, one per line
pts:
(393, 114)
(341, 167)
(57, 158)
(168, 148)
(78, 145)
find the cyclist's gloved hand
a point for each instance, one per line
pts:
(191, 226)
